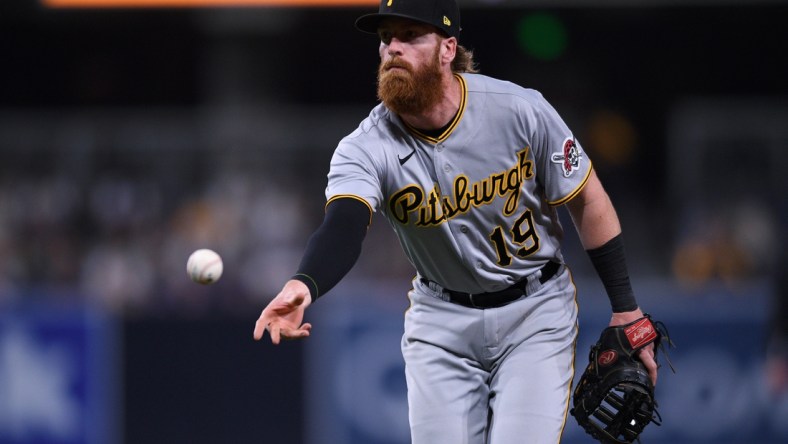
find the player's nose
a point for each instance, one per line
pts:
(395, 47)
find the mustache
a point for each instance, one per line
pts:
(396, 63)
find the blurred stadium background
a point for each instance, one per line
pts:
(131, 136)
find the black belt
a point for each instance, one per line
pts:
(502, 297)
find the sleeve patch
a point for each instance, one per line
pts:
(569, 157)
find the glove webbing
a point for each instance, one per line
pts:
(610, 415)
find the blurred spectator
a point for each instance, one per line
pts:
(732, 244)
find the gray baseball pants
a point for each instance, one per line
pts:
(490, 376)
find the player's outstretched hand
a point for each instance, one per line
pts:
(646, 354)
(284, 315)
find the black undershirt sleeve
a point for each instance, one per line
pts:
(335, 246)
(610, 263)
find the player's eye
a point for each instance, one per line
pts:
(385, 36)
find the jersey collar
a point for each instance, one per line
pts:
(454, 122)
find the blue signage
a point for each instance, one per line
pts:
(58, 379)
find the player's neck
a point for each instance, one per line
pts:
(444, 111)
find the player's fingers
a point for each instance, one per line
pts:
(259, 327)
(275, 331)
(647, 358)
(298, 333)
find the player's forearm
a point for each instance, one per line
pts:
(610, 264)
(600, 232)
(593, 214)
(334, 247)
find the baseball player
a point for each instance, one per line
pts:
(469, 171)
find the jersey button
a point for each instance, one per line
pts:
(447, 168)
(439, 148)
(479, 264)
(464, 229)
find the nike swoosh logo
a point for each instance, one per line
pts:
(402, 160)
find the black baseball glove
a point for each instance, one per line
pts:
(614, 399)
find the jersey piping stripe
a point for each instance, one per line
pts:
(454, 122)
(574, 353)
(574, 192)
(353, 196)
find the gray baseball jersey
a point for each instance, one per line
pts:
(473, 208)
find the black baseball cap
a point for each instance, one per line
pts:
(443, 14)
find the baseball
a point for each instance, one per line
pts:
(204, 266)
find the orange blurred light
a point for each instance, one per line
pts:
(197, 3)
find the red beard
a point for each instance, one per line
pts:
(410, 91)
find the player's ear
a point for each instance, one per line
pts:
(448, 49)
